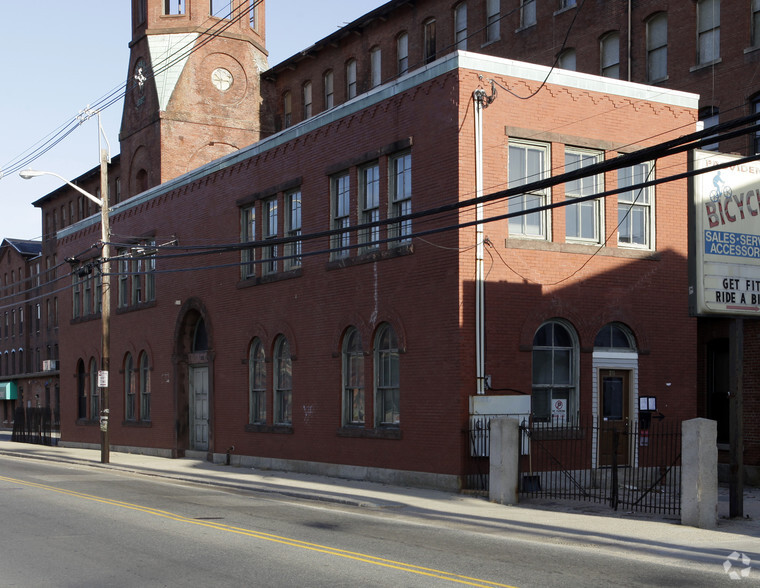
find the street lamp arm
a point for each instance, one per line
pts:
(28, 174)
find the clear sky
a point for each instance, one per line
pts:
(61, 57)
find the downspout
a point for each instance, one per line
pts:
(630, 42)
(481, 100)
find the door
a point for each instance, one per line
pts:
(614, 402)
(199, 408)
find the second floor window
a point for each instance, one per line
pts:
(401, 196)
(528, 162)
(270, 232)
(369, 186)
(708, 31)
(248, 235)
(635, 207)
(582, 219)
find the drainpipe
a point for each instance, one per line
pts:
(630, 43)
(482, 100)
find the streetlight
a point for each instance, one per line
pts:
(105, 306)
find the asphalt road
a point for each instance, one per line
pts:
(69, 525)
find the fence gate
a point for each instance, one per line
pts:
(627, 467)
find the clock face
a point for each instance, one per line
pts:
(222, 79)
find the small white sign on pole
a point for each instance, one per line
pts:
(102, 379)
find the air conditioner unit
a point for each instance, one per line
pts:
(49, 365)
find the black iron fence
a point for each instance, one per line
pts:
(33, 425)
(623, 464)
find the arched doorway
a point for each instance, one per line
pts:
(194, 381)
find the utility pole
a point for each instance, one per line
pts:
(105, 308)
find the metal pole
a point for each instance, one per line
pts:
(105, 309)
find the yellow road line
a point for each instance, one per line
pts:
(362, 557)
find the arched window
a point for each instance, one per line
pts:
(129, 388)
(144, 387)
(555, 379)
(353, 378)
(614, 336)
(375, 66)
(657, 47)
(387, 378)
(609, 53)
(329, 87)
(429, 47)
(94, 390)
(257, 383)
(402, 53)
(81, 391)
(287, 110)
(567, 60)
(350, 79)
(306, 100)
(283, 383)
(200, 337)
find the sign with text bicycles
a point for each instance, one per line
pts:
(725, 237)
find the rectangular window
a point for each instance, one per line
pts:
(221, 8)
(351, 79)
(375, 64)
(76, 298)
(174, 7)
(87, 296)
(329, 91)
(253, 16)
(755, 40)
(248, 235)
(401, 197)
(657, 47)
(287, 110)
(582, 220)
(528, 162)
(137, 281)
(341, 207)
(460, 26)
(527, 13)
(123, 280)
(429, 37)
(307, 100)
(270, 232)
(493, 20)
(610, 56)
(402, 53)
(708, 31)
(150, 271)
(635, 207)
(293, 229)
(369, 197)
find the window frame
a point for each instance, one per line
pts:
(283, 383)
(587, 157)
(353, 379)
(609, 55)
(340, 215)
(375, 66)
(402, 53)
(657, 47)
(400, 197)
(754, 8)
(248, 235)
(269, 232)
(293, 225)
(460, 26)
(257, 383)
(306, 98)
(328, 82)
(493, 20)
(143, 363)
(548, 385)
(635, 204)
(287, 110)
(351, 74)
(517, 225)
(173, 8)
(527, 13)
(429, 41)
(708, 32)
(130, 389)
(369, 199)
(387, 378)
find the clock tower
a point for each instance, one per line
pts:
(193, 86)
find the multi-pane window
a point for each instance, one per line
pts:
(755, 21)
(582, 219)
(283, 383)
(387, 377)
(657, 47)
(528, 162)
(369, 198)
(130, 389)
(635, 207)
(329, 87)
(566, 60)
(144, 380)
(287, 110)
(351, 79)
(293, 229)
(270, 232)
(460, 26)
(429, 48)
(353, 378)
(555, 384)
(375, 66)
(527, 13)
(609, 48)
(174, 7)
(248, 235)
(257, 382)
(708, 31)
(136, 281)
(306, 99)
(402, 53)
(341, 208)
(400, 184)
(493, 19)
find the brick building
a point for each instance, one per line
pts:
(322, 297)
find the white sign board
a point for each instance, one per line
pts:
(559, 411)
(726, 277)
(102, 379)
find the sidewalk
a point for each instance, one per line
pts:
(558, 522)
